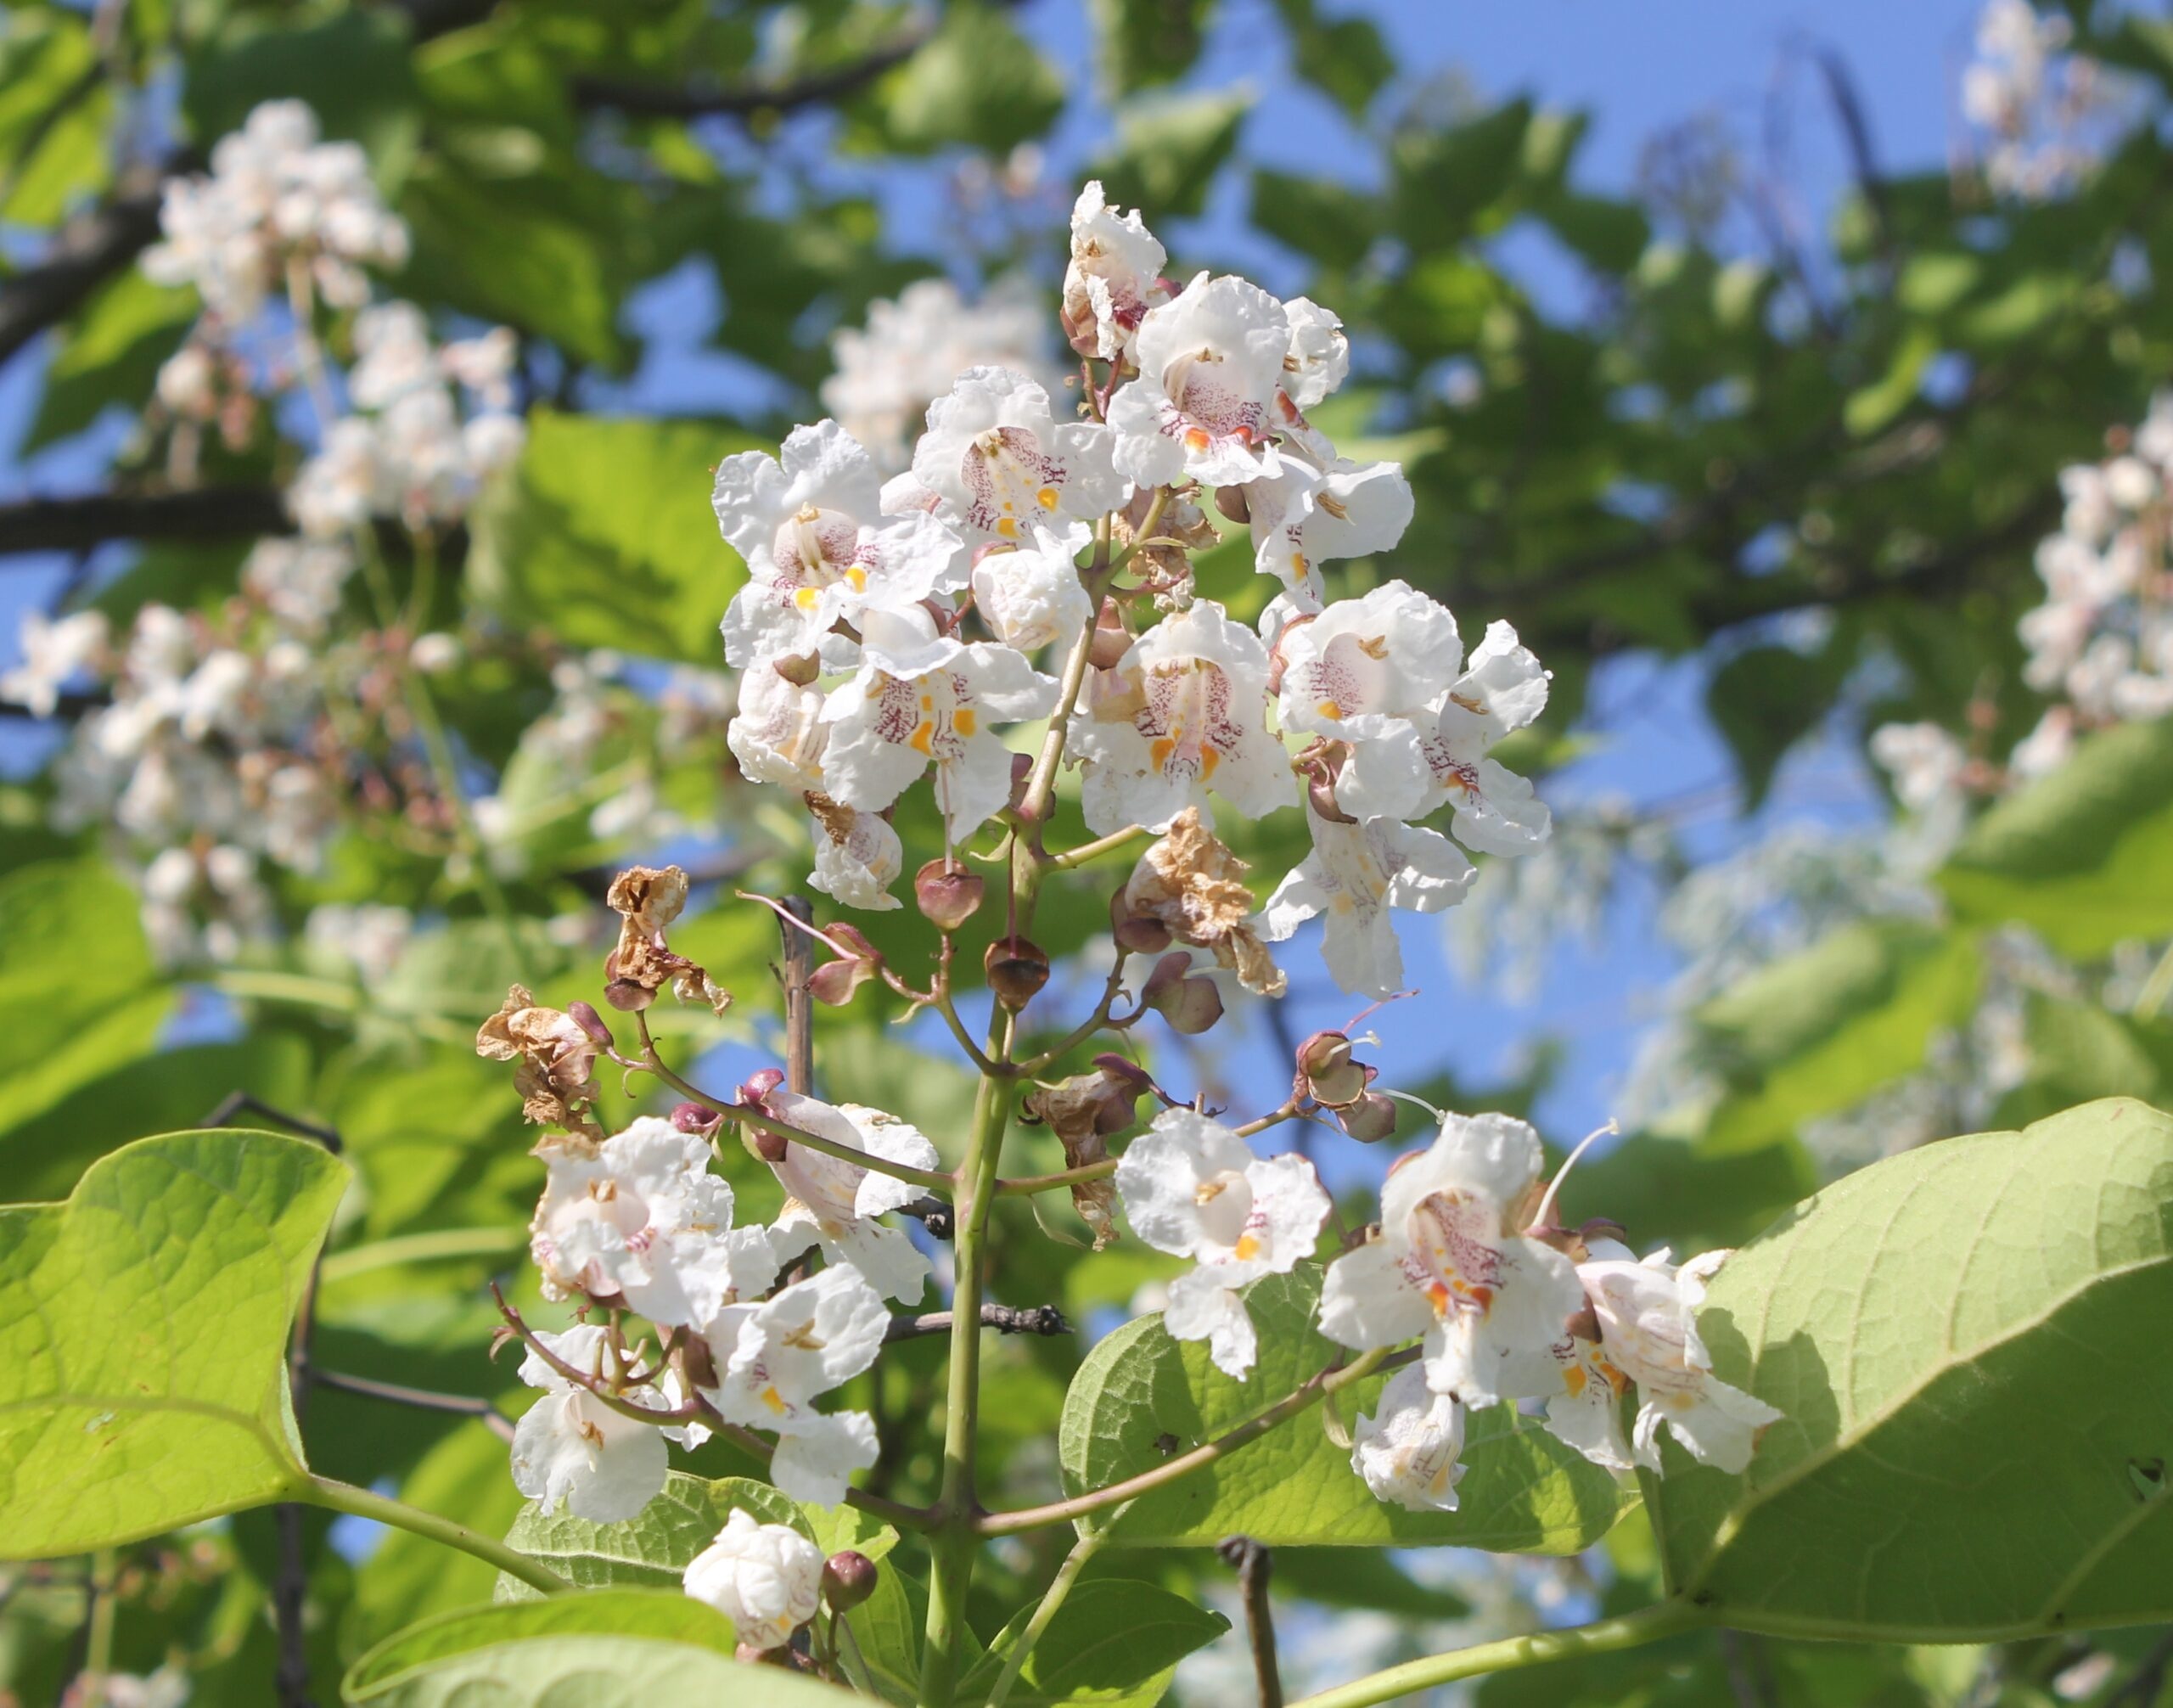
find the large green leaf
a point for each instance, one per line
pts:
(1168, 148)
(143, 1360)
(651, 1550)
(605, 533)
(1114, 1641)
(1964, 1342)
(617, 1648)
(1825, 1028)
(978, 82)
(2084, 856)
(78, 994)
(1140, 1396)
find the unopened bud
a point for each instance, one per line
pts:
(628, 996)
(1022, 773)
(1112, 639)
(1140, 933)
(760, 1084)
(585, 1016)
(1326, 1072)
(1371, 1119)
(1320, 792)
(848, 1580)
(1231, 501)
(800, 669)
(948, 894)
(1016, 970)
(1189, 1002)
(692, 1118)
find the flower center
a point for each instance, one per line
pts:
(1008, 479)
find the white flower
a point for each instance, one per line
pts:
(1193, 1188)
(1356, 874)
(299, 580)
(643, 1223)
(765, 1578)
(1113, 276)
(834, 1203)
(920, 699)
(1925, 762)
(370, 936)
(773, 1358)
(1308, 514)
(1503, 688)
(1450, 1264)
(1318, 359)
(1185, 711)
(1648, 1319)
(809, 522)
(1032, 597)
(571, 1448)
(857, 855)
(1204, 404)
(1583, 1410)
(778, 733)
(999, 463)
(187, 383)
(1407, 1451)
(54, 649)
(337, 490)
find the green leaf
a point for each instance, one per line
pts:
(112, 354)
(1962, 1341)
(352, 68)
(617, 1648)
(1872, 408)
(651, 1550)
(78, 994)
(54, 107)
(978, 82)
(1766, 699)
(605, 533)
(1168, 149)
(2083, 856)
(1821, 1030)
(143, 1367)
(1115, 1640)
(1346, 58)
(1330, 222)
(1140, 1397)
(1140, 44)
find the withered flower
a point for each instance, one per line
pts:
(647, 899)
(556, 1075)
(1082, 1111)
(1193, 886)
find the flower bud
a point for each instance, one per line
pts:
(1016, 970)
(1140, 933)
(1112, 639)
(848, 1580)
(1320, 793)
(800, 669)
(833, 982)
(760, 1084)
(586, 1017)
(628, 996)
(1326, 1072)
(1370, 1120)
(948, 894)
(692, 1118)
(1189, 1002)
(1022, 773)
(1231, 501)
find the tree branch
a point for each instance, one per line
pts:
(76, 524)
(1252, 1565)
(668, 101)
(1005, 1319)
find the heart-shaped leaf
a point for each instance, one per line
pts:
(1967, 1343)
(1116, 1641)
(142, 1357)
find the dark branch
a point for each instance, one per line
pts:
(659, 101)
(76, 524)
(89, 250)
(1252, 1565)
(425, 1399)
(1005, 1319)
(243, 1103)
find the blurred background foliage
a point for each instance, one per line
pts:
(1813, 458)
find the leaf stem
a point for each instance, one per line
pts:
(1603, 1636)
(1052, 1600)
(1100, 845)
(1303, 1398)
(1025, 1184)
(361, 1503)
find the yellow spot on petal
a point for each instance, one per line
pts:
(1046, 498)
(1008, 527)
(963, 721)
(1329, 708)
(1209, 759)
(1158, 752)
(1573, 1379)
(923, 738)
(774, 1400)
(1196, 439)
(1246, 1249)
(858, 577)
(806, 598)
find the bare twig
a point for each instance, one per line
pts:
(424, 1399)
(206, 513)
(1005, 1319)
(745, 100)
(1254, 1566)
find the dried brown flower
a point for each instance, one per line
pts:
(1190, 883)
(556, 1075)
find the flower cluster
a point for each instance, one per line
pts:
(2034, 101)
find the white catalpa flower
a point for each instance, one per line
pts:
(1204, 405)
(1193, 1188)
(773, 1358)
(1032, 597)
(642, 1222)
(54, 649)
(1408, 1450)
(1503, 688)
(1451, 1264)
(1114, 278)
(920, 698)
(777, 733)
(857, 855)
(999, 463)
(1309, 514)
(1648, 1316)
(832, 1203)
(1354, 879)
(765, 1578)
(1584, 1410)
(1318, 359)
(571, 1448)
(809, 522)
(1362, 672)
(1183, 712)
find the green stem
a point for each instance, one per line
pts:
(1604, 1637)
(437, 1246)
(361, 1503)
(98, 1643)
(1025, 1184)
(1052, 1599)
(1101, 846)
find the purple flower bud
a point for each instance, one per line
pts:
(692, 1118)
(1370, 1120)
(628, 996)
(1112, 639)
(848, 1580)
(586, 1017)
(1016, 969)
(1231, 501)
(948, 894)
(1326, 1073)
